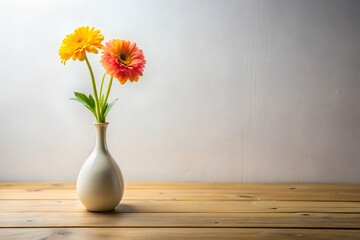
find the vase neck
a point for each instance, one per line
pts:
(100, 129)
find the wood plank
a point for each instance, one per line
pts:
(269, 220)
(184, 211)
(191, 185)
(41, 185)
(245, 186)
(146, 206)
(193, 194)
(177, 233)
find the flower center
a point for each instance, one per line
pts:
(124, 58)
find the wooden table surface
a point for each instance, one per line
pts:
(46, 211)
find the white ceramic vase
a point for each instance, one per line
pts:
(100, 184)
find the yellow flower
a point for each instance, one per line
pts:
(78, 43)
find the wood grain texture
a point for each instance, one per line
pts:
(89, 219)
(237, 192)
(149, 206)
(184, 211)
(177, 233)
(191, 185)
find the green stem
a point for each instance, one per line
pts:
(94, 88)
(102, 83)
(108, 90)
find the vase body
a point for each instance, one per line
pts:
(100, 184)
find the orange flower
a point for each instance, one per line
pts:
(123, 60)
(78, 43)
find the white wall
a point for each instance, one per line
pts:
(242, 91)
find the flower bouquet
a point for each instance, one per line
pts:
(120, 58)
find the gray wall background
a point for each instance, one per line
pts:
(240, 91)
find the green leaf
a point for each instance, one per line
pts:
(88, 102)
(108, 107)
(79, 99)
(91, 101)
(82, 98)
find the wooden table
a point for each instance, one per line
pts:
(46, 211)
